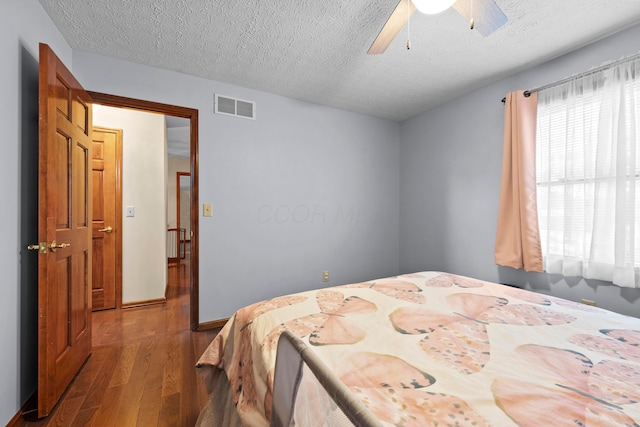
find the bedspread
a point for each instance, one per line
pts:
(433, 348)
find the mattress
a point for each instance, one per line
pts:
(429, 348)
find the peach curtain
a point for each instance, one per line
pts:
(518, 236)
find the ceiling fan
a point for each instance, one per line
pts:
(484, 16)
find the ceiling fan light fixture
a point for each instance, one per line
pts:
(431, 7)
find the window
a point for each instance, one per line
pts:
(588, 175)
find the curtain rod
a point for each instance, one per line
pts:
(527, 93)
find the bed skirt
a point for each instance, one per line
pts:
(220, 409)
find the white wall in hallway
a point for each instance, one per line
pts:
(144, 255)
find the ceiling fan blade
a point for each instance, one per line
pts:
(392, 27)
(487, 15)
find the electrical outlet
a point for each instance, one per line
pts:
(325, 276)
(588, 302)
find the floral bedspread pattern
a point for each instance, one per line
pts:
(433, 348)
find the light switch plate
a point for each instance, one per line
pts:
(131, 211)
(206, 209)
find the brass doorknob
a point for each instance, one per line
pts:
(42, 247)
(106, 230)
(53, 246)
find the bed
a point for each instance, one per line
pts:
(423, 349)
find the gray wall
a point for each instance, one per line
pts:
(450, 167)
(299, 190)
(23, 23)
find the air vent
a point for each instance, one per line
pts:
(234, 107)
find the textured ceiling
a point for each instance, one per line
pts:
(316, 50)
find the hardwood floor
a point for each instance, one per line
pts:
(142, 368)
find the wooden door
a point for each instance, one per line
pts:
(64, 230)
(106, 235)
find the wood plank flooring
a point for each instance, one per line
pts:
(142, 368)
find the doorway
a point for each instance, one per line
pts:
(65, 189)
(183, 201)
(178, 208)
(192, 116)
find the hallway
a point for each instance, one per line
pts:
(142, 368)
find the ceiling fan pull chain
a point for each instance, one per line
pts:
(408, 24)
(471, 21)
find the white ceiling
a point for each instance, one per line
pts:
(315, 50)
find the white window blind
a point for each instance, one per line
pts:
(587, 171)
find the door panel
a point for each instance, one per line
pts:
(64, 194)
(61, 153)
(81, 175)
